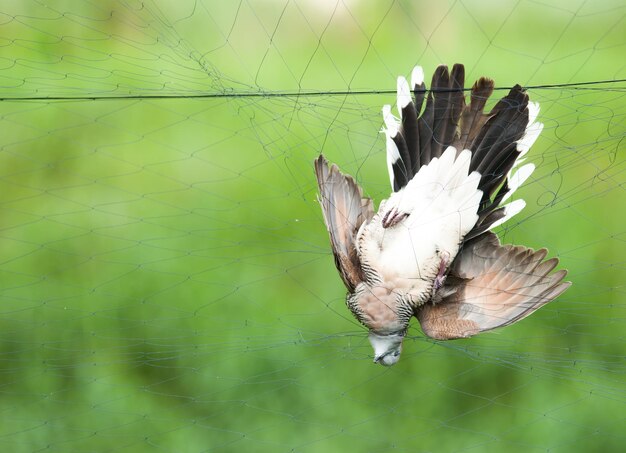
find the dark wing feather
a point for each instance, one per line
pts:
(345, 209)
(473, 117)
(438, 125)
(419, 139)
(490, 286)
(447, 89)
(422, 137)
(494, 149)
(446, 120)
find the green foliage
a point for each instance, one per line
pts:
(167, 281)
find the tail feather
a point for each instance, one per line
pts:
(473, 117)
(399, 172)
(496, 139)
(447, 89)
(517, 179)
(441, 105)
(425, 126)
(495, 154)
(419, 92)
(408, 128)
(505, 125)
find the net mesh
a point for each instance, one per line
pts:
(166, 278)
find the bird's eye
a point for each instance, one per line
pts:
(396, 354)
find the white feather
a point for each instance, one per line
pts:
(524, 143)
(392, 156)
(518, 179)
(392, 125)
(473, 197)
(460, 168)
(533, 112)
(532, 132)
(510, 210)
(533, 129)
(417, 76)
(441, 202)
(447, 165)
(404, 94)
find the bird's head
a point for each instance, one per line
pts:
(387, 347)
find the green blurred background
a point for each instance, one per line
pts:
(166, 277)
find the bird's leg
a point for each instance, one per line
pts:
(441, 273)
(392, 217)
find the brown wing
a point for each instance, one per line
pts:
(345, 209)
(491, 285)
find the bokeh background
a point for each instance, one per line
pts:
(165, 275)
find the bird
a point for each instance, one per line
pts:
(429, 251)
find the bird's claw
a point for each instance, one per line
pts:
(441, 273)
(392, 217)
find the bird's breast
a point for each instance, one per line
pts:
(404, 255)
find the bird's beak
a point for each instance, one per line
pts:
(377, 359)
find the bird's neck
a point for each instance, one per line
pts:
(381, 308)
